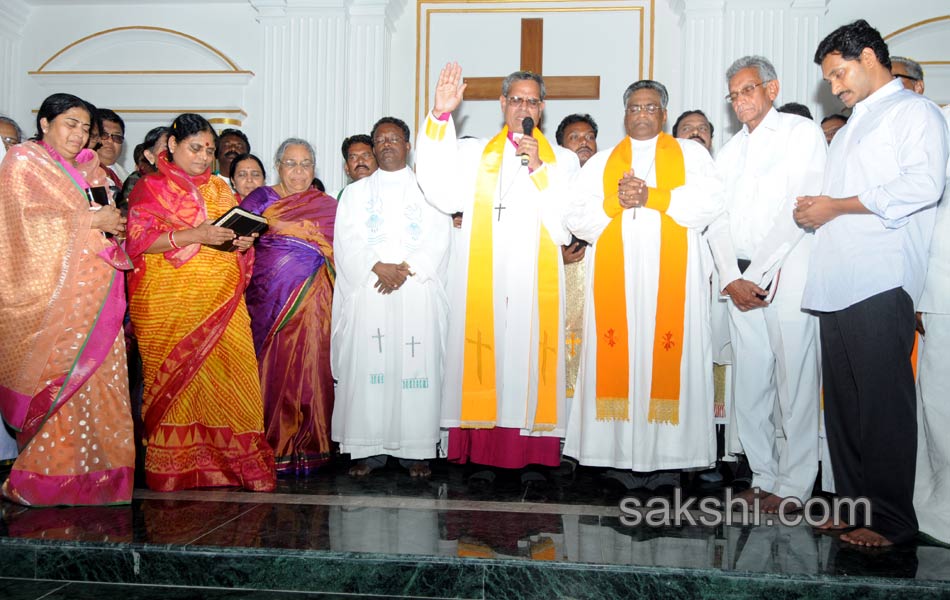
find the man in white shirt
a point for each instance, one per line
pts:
(762, 253)
(932, 488)
(874, 221)
(644, 396)
(503, 397)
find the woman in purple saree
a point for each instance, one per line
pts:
(289, 300)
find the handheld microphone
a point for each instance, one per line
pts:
(527, 125)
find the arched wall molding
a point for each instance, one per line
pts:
(921, 41)
(132, 34)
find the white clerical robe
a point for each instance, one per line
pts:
(447, 169)
(636, 443)
(387, 350)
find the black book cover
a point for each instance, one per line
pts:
(242, 223)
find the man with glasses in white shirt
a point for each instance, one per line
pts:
(762, 258)
(874, 221)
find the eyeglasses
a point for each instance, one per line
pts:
(382, 141)
(908, 77)
(9, 141)
(519, 101)
(292, 164)
(744, 92)
(650, 109)
(117, 138)
(688, 129)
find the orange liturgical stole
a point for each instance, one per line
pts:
(610, 301)
(479, 398)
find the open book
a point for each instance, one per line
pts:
(241, 222)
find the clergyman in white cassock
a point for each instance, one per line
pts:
(772, 160)
(389, 310)
(643, 204)
(503, 394)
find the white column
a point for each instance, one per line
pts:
(703, 73)
(13, 18)
(324, 74)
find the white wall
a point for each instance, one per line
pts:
(355, 60)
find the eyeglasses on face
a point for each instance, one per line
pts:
(292, 164)
(688, 129)
(650, 109)
(744, 92)
(116, 137)
(519, 101)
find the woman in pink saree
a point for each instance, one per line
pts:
(289, 300)
(63, 374)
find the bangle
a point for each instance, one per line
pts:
(171, 241)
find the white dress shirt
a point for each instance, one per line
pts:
(936, 297)
(892, 155)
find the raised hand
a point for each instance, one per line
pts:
(449, 89)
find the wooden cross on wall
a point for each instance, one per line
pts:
(570, 87)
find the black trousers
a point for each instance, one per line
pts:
(871, 407)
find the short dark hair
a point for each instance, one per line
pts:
(107, 114)
(834, 116)
(570, 120)
(359, 138)
(236, 133)
(676, 125)
(57, 104)
(794, 108)
(154, 134)
(186, 125)
(850, 40)
(317, 183)
(391, 121)
(138, 153)
(243, 157)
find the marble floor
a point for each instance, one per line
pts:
(571, 521)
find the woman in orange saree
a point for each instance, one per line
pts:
(289, 299)
(202, 406)
(63, 374)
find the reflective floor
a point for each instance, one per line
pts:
(572, 519)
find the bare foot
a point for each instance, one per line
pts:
(360, 470)
(865, 537)
(770, 504)
(420, 470)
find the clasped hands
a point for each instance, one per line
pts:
(811, 212)
(391, 276)
(632, 191)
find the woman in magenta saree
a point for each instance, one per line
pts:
(63, 375)
(289, 300)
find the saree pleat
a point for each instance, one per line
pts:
(289, 299)
(202, 405)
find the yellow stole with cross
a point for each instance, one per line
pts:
(610, 301)
(479, 398)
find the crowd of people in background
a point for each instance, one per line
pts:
(513, 304)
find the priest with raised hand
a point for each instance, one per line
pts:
(643, 401)
(503, 398)
(389, 313)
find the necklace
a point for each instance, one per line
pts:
(283, 191)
